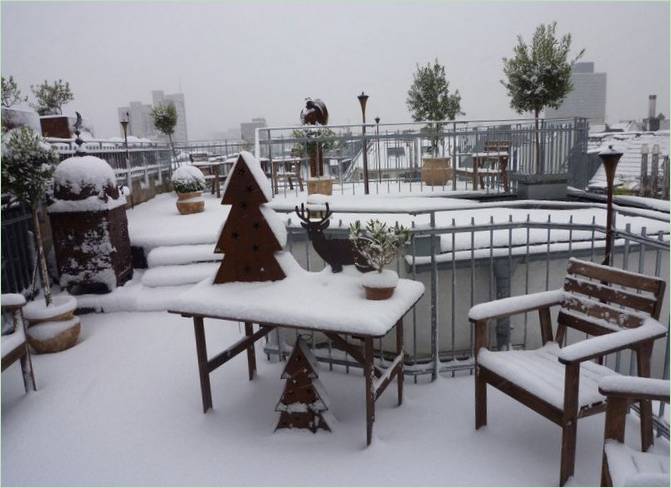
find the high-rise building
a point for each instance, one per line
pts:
(588, 97)
(141, 124)
(248, 129)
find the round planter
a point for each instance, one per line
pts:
(54, 336)
(189, 203)
(379, 286)
(436, 171)
(322, 185)
(62, 308)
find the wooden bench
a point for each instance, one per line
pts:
(14, 345)
(619, 308)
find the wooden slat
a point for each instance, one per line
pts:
(619, 318)
(615, 276)
(237, 348)
(601, 292)
(591, 328)
(352, 350)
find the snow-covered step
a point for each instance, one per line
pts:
(177, 275)
(186, 254)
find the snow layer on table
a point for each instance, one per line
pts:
(12, 300)
(257, 173)
(512, 305)
(541, 374)
(275, 223)
(635, 385)
(88, 204)
(48, 330)
(60, 304)
(13, 340)
(629, 467)
(172, 255)
(182, 274)
(595, 345)
(188, 174)
(84, 171)
(323, 301)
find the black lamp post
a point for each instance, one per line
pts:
(129, 180)
(363, 98)
(609, 157)
(379, 159)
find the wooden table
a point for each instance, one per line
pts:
(480, 159)
(333, 304)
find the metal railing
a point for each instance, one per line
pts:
(18, 260)
(462, 265)
(395, 151)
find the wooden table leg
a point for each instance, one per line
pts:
(251, 353)
(475, 173)
(201, 351)
(369, 375)
(399, 350)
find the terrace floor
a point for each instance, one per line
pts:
(123, 408)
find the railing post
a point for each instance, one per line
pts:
(435, 346)
(454, 156)
(654, 170)
(665, 166)
(643, 185)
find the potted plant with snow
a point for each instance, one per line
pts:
(379, 244)
(189, 182)
(27, 167)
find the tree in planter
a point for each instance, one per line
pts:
(165, 120)
(28, 164)
(51, 97)
(11, 94)
(314, 137)
(539, 75)
(429, 98)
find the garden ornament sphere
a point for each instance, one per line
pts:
(314, 112)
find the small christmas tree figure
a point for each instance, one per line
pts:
(304, 403)
(253, 233)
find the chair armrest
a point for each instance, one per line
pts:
(613, 342)
(635, 388)
(515, 305)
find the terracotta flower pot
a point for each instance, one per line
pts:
(54, 328)
(379, 286)
(378, 293)
(436, 171)
(322, 185)
(189, 203)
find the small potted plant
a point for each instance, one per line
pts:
(379, 244)
(189, 182)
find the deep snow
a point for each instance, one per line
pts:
(123, 407)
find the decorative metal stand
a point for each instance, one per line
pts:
(304, 402)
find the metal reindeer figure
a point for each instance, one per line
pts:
(336, 252)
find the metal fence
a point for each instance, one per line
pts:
(18, 260)
(463, 265)
(394, 152)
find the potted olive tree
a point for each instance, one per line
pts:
(379, 244)
(27, 167)
(189, 182)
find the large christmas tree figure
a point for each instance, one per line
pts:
(304, 403)
(253, 233)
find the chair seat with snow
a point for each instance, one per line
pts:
(14, 344)
(623, 465)
(618, 308)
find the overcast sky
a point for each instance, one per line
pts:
(235, 60)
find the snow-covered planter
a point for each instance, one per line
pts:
(189, 182)
(52, 328)
(436, 171)
(322, 185)
(379, 244)
(90, 227)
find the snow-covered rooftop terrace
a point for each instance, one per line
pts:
(123, 408)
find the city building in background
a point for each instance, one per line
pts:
(248, 129)
(588, 97)
(140, 123)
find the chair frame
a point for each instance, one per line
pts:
(567, 417)
(20, 353)
(618, 402)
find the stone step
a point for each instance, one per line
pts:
(177, 275)
(183, 254)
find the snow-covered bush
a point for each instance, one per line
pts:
(83, 176)
(378, 243)
(27, 167)
(187, 179)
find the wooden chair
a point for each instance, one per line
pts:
(562, 383)
(14, 345)
(622, 465)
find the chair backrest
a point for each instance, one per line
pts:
(601, 299)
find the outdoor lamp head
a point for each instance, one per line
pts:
(610, 157)
(377, 120)
(363, 98)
